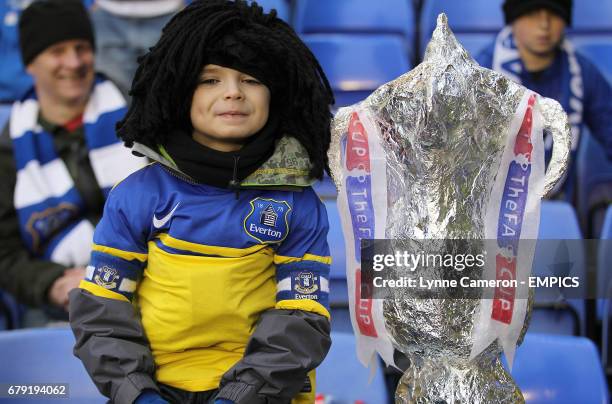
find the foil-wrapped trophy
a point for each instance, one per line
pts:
(449, 150)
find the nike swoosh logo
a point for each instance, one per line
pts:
(160, 222)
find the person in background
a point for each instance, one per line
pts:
(532, 50)
(59, 157)
(125, 30)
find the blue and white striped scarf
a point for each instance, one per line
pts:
(49, 207)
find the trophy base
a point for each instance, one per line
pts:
(439, 382)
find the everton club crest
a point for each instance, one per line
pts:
(107, 277)
(306, 282)
(267, 222)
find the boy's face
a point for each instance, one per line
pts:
(228, 107)
(64, 72)
(538, 32)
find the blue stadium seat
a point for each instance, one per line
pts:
(338, 297)
(335, 238)
(474, 22)
(555, 255)
(282, 8)
(559, 369)
(358, 64)
(474, 43)
(355, 16)
(44, 355)
(345, 379)
(594, 170)
(325, 188)
(14, 80)
(558, 221)
(341, 319)
(594, 183)
(604, 284)
(605, 252)
(591, 16)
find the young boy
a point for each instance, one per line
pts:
(532, 51)
(209, 272)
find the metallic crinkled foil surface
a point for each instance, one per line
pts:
(444, 127)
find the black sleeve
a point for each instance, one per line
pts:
(24, 276)
(111, 342)
(284, 347)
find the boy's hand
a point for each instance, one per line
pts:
(150, 397)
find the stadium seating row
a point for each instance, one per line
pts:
(547, 368)
(605, 284)
(475, 23)
(362, 44)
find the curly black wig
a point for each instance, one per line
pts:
(168, 75)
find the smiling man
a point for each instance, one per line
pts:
(59, 156)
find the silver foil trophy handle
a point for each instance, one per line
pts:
(556, 123)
